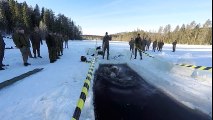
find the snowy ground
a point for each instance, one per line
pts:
(52, 94)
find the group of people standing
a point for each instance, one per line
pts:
(55, 45)
(143, 44)
(138, 44)
(23, 42)
(157, 45)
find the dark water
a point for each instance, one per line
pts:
(121, 94)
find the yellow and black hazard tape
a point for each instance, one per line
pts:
(184, 65)
(88, 61)
(196, 67)
(84, 91)
(145, 53)
(148, 54)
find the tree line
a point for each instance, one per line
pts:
(192, 33)
(92, 37)
(14, 14)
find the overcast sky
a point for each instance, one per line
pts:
(99, 16)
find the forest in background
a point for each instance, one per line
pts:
(191, 33)
(14, 14)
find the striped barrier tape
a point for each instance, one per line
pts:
(184, 65)
(145, 53)
(88, 61)
(84, 91)
(148, 55)
(196, 67)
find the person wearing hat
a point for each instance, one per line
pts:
(105, 45)
(22, 42)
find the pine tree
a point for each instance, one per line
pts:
(36, 13)
(26, 16)
(12, 16)
(46, 18)
(207, 24)
(3, 21)
(42, 14)
(43, 28)
(35, 16)
(18, 14)
(6, 17)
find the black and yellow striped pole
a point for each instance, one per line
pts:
(145, 53)
(196, 67)
(84, 91)
(184, 65)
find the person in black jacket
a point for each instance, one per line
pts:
(154, 45)
(138, 46)
(36, 40)
(174, 45)
(131, 44)
(105, 45)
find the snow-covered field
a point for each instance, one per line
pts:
(52, 94)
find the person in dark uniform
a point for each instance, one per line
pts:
(50, 41)
(143, 43)
(61, 39)
(161, 44)
(105, 45)
(148, 44)
(174, 45)
(22, 42)
(36, 41)
(138, 46)
(66, 41)
(131, 44)
(154, 45)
